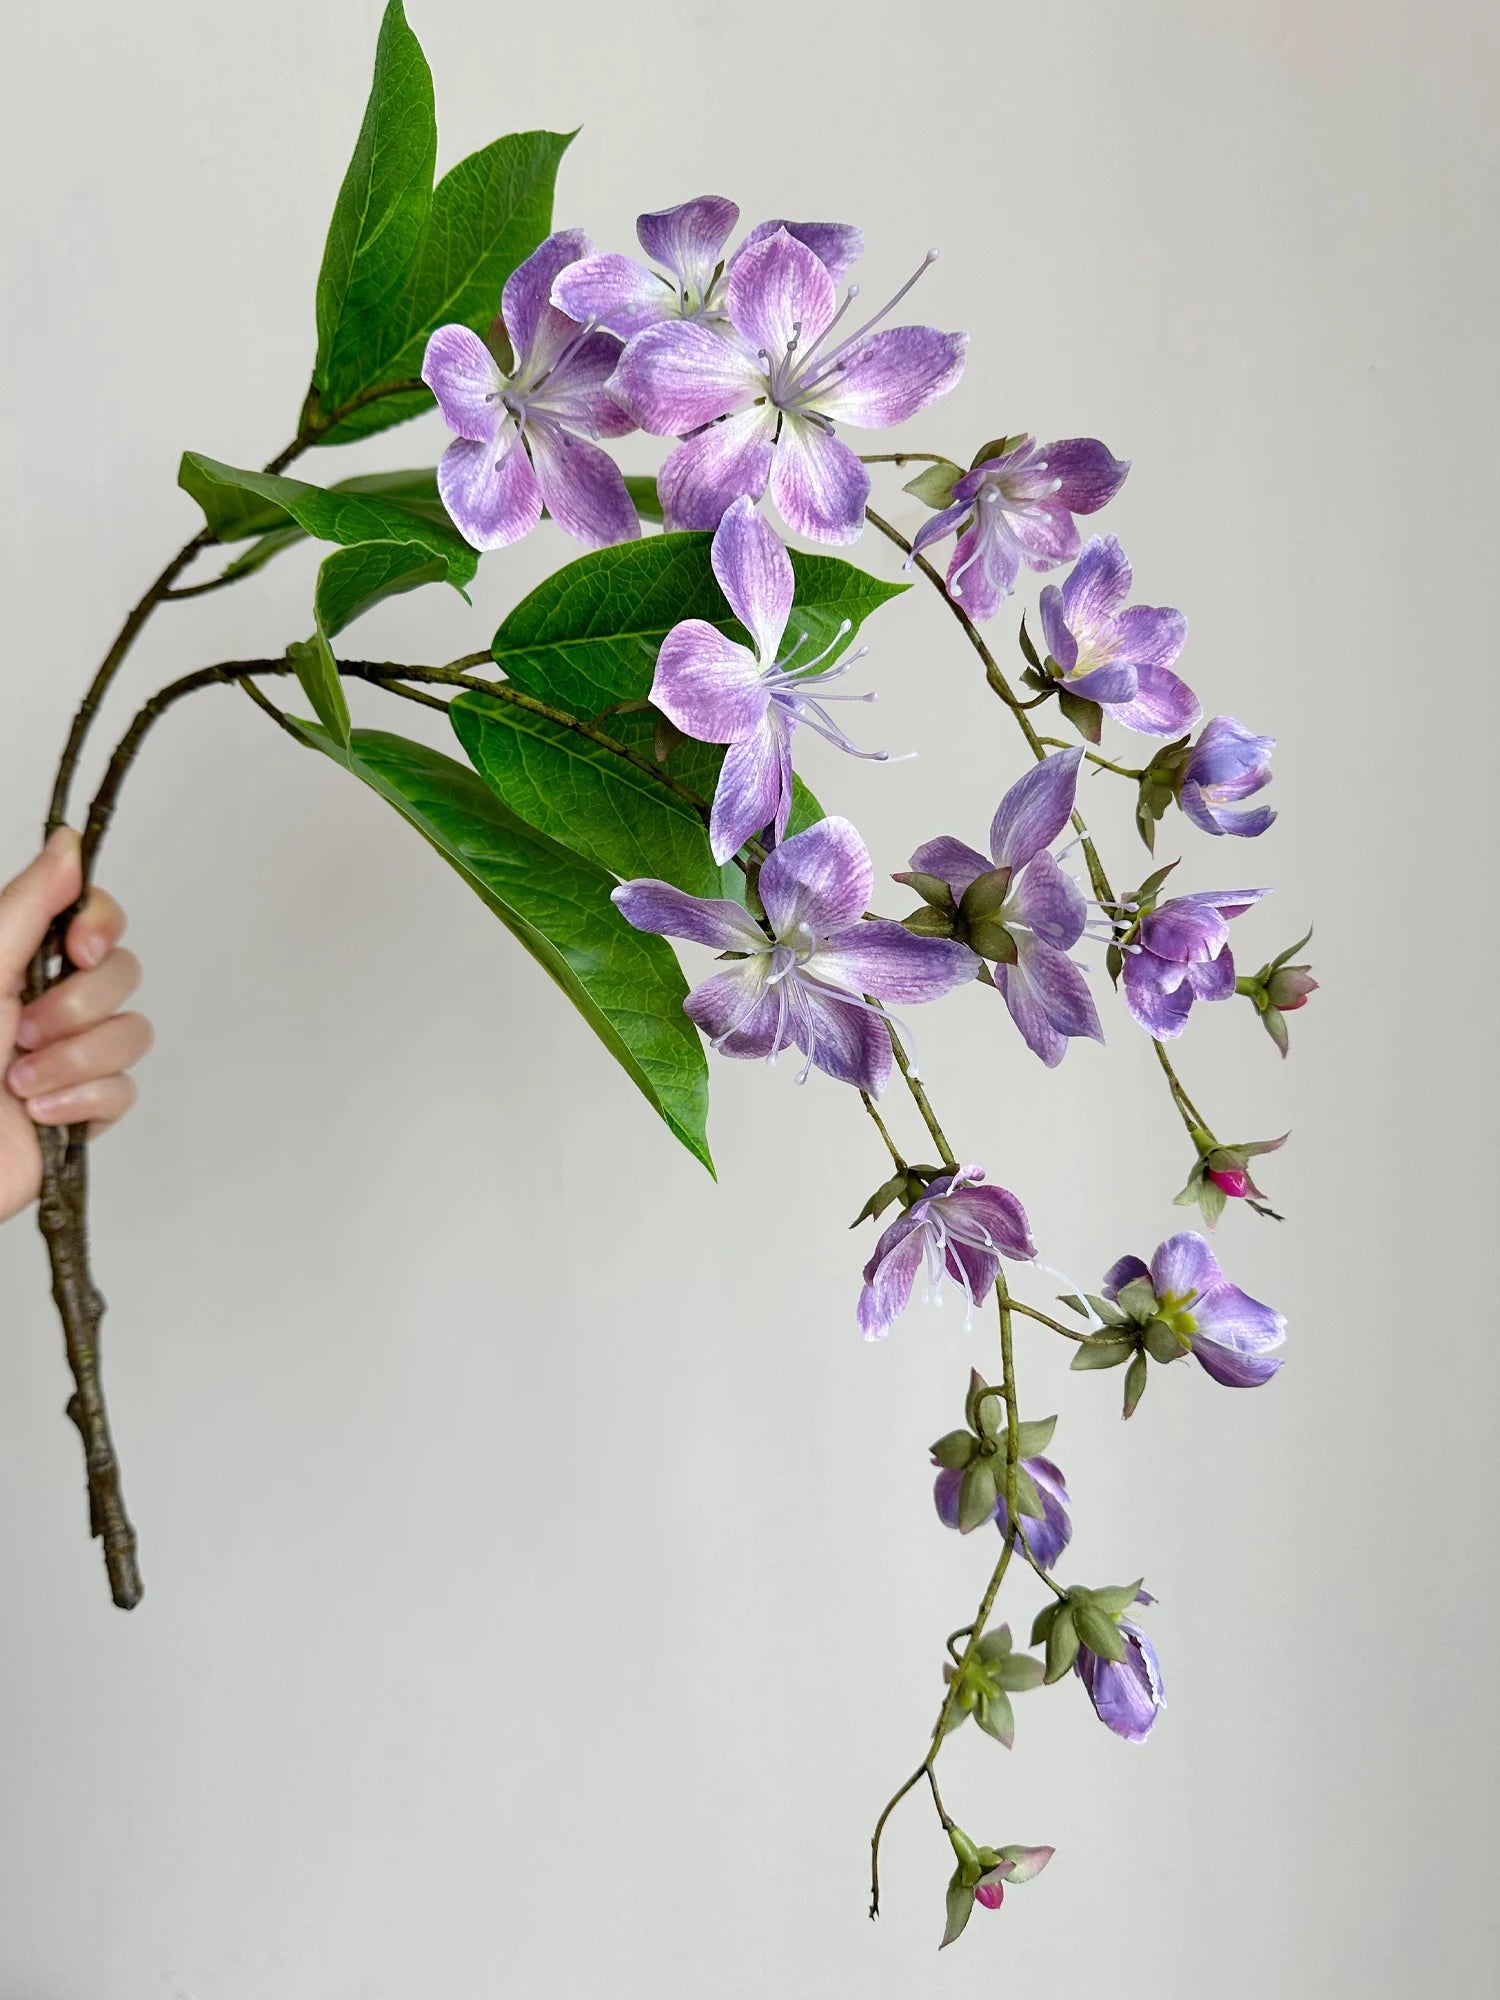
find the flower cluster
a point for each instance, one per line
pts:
(742, 354)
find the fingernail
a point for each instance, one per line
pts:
(28, 1034)
(22, 1076)
(92, 949)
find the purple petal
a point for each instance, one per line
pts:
(848, 1042)
(1161, 1008)
(972, 1268)
(708, 685)
(888, 962)
(1230, 759)
(997, 1210)
(1163, 705)
(982, 572)
(689, 239)
(1048, 902)
(1060, 641)
(527, 296)
(1123, 1272)
(1035, 809)
(1213, 980)
(1030, 1016)
(490, 491)
(1150, 635)
(1232, 1319)
(1232, 1369)
(1226, 902)
(623, 296)
(945, 1491)
(460, 371)
(951, 862)
(1187, 929)
(1097, 585)
(1184, 1264)
(656, 906)
(836, 245)
(780, 292)
(940, 524)
(1060, 989)
(754, 788)
(817, 483)
(741, 1016)
(1127, 1696)
(1045, 530)
(1049, 1536)
(1113, 684)
(677, 376)
(892, 375)
(755, 574)
(889, 1277)
(582, 486)
(1216, 819)
(1090, 474)
(577, 391)
(706, 474)
(820, 878)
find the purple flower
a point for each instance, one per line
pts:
(522, 438)
(1018, 508)
(688, 242)
(1047, 1535)
(750, 697)
(1181, 954)
(1183, 1292)
(805, 983)
(1225, 765)
(1127, 1694)
(1027, 912)
(960, 1227)
(761, 398)
(1118, 657)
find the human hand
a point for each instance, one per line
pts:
(72, 1048)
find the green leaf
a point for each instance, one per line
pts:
(487, 215)
(312, 660)
(237, 504)
(413, 492)
(642, 489)
(381, 211)
(588, 637)
(352, 579)
(587, 798)
(627, 986)
(1135, 1384)
(934, 484)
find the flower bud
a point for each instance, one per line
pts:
(1235, 1181)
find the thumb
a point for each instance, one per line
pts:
(29, 903)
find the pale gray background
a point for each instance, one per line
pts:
(543, 1589)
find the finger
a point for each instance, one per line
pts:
(29, 903)
(96, 1104)
(96, 930)
(79, 1002)
(114, 1045)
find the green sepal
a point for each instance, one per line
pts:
(1135, 1384)
(929, 922)
(1034, 1435)
(1137, 1300)
(1116, 1597)
(934, 484)
(1044, 1620)
(1274, 1022)
(1019, 1672)
(985, 894)
(1062, 1644)
(1212, 1200)
(1107, 1310)
(991, 1422)
(992, 941)
(960, 1907)
(997, 1718)
(1162, 1344)
(977, 1494)
(1086, 716)
(1097, 1631)
(1114, 960)
(955, 1450)
(880, 1201)
(931, 888)
(1101, 1354)
(1145, 897)
(996, 448)
(1030, 652)
(994, 1645)
(1028, 1500)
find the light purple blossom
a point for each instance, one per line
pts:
(960, 1227)
(1046, 1538)
(819, 979)
(1018, 509)
(1043, 911)
(1225, 765)
(1231, 1334)
(755, 403)
(687, 242)
(1127, 1694)
(522, 439)
(1181, 954)
(1117, 656)
(750, 697)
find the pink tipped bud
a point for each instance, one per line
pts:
(990, 1894)
(1234, 1181)
(1289, 987)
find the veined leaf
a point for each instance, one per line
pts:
(237, 504)
(588, 637)
(317, 672)
(627, 986)
(352, 579)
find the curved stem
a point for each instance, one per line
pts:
(1043, 1319)
(880, 1126)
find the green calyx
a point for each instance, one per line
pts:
(973, 920)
